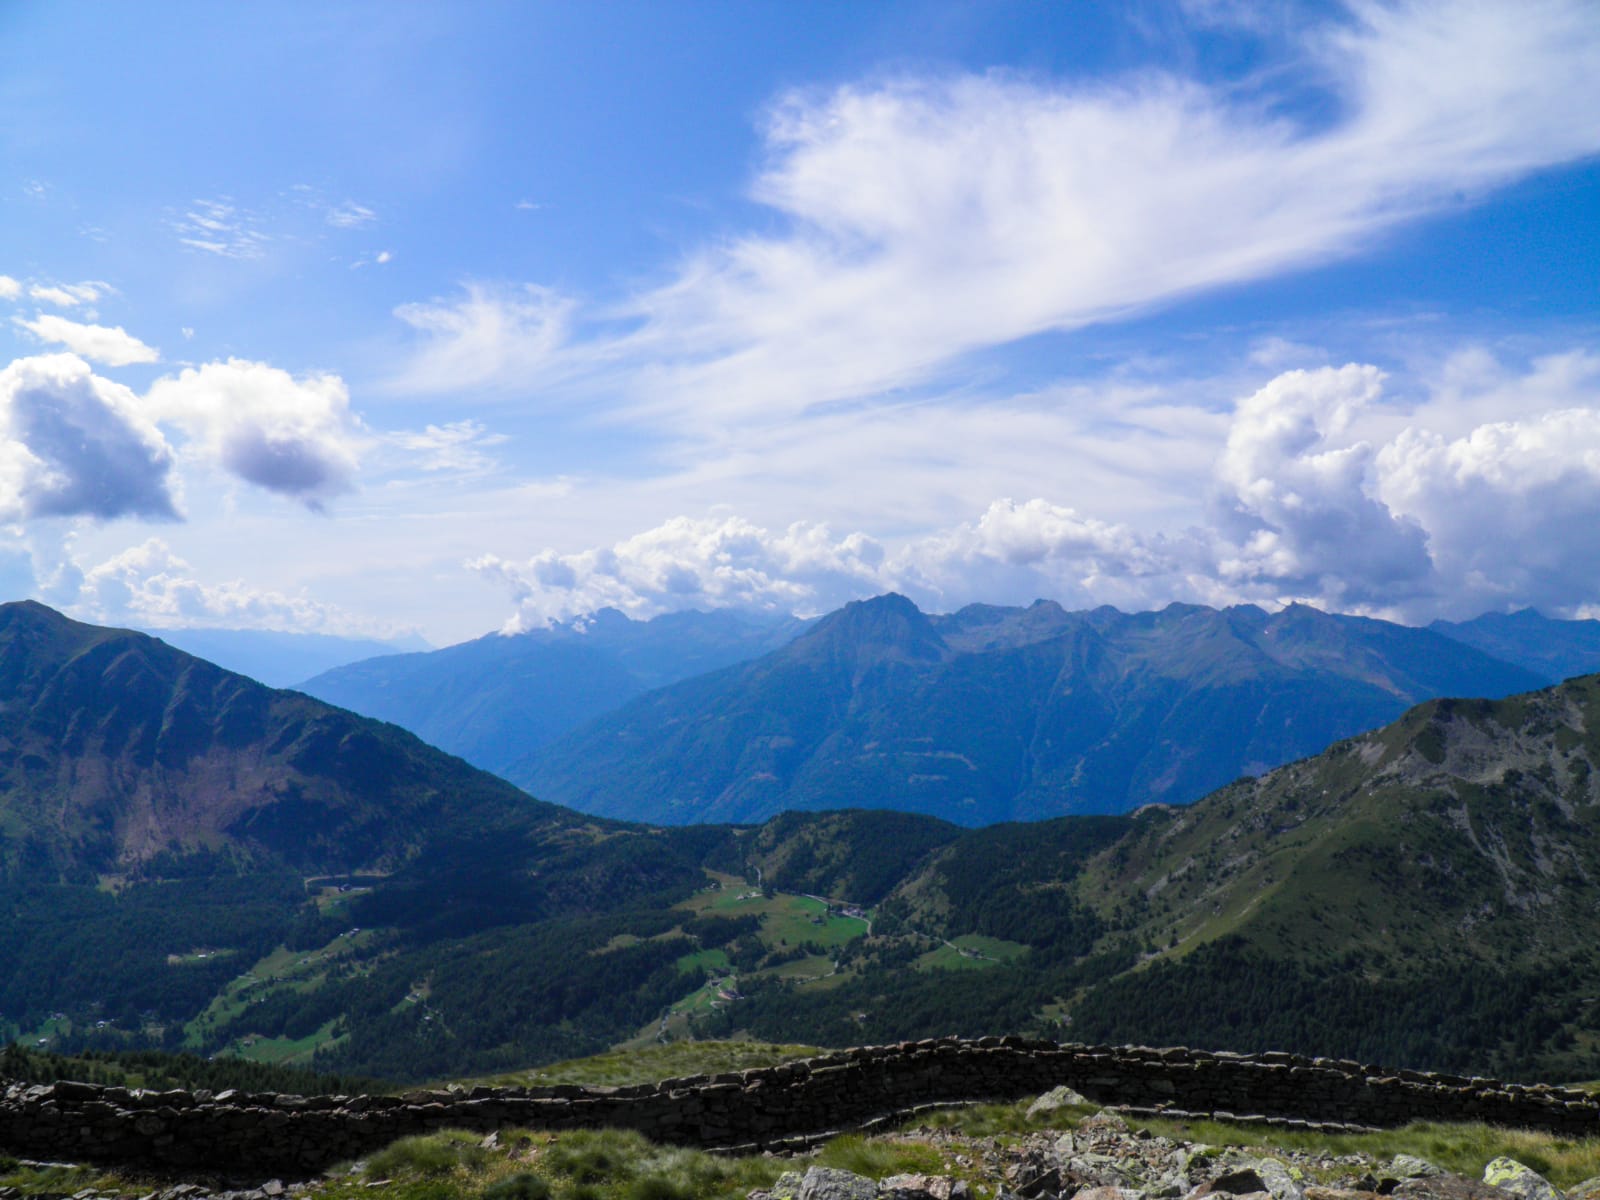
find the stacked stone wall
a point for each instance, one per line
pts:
(246, 1134)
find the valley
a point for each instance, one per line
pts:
(1419, 893)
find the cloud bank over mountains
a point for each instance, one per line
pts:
(1301, 508)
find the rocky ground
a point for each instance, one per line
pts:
(1104, 1159)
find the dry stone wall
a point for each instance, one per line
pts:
(244, 1134)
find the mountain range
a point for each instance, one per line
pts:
(192, 861)
(496, 699)
(994, 714)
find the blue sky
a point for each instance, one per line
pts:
(375, 318)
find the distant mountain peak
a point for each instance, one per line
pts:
(883, 628)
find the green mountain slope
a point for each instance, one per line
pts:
(196, 863)
(495, 699)
(116, 748)
(193, 861)
(996, 714)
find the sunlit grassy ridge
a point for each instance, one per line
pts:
(650, 1064)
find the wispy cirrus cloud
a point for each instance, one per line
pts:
(221, 228)
(925, 219)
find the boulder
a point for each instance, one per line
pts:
(830, 1183)
(1525, 1183)
(1409, 1166)
(924, 1187)
(1055, 1100)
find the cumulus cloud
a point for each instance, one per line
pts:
(1323, 490)
(293, 436)
(151, 586)
(1298, 505)
(10, 288)
(1510, 508)
(74, 444)
(921, 219)
(1030, 550)
(689, 563)
(112, 345)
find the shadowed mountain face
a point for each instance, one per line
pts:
(114, 748)
(495, 699)
(995, 714)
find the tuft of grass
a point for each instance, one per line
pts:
(57, 1179)
(432, 1155)
(876, 1157)
(522, 1185)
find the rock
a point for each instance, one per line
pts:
(1279, 1179)
(787, 1186)
(1589, 1189)
(1105, 1120)
(1242, 1181)
(1409, 1166)
(924, 1187)
(1109, 1193)
(830, 1183)
(1054, 1100)
(1447, 1187)
(1509, 1175)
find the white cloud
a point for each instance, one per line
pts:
(1296, 500)
(927, 219)
(68, 295)
(453, 446)
(219, 227)
(73, 444)
(149, 585)
(495, 336)
(686, 563)
(292, 436)
(350, 215)
(112, 345)
(10, 288)
(1323, 490)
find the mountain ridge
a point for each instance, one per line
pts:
(1001, 714)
